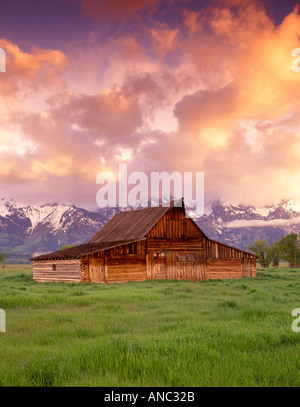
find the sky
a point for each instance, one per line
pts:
(186, 86)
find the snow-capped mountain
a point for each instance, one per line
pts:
(27, 230)
(240, 225)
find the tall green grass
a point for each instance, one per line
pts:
(153, 333)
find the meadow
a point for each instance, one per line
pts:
(153, 333)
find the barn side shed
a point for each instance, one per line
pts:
(150, 243)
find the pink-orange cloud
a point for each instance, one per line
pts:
(40, 67)
(116, 8)
(228, 90)
(164, 39)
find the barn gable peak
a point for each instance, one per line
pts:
(134, 224)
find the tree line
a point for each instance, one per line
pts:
(287, 248)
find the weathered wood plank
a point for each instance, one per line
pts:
(57, 270)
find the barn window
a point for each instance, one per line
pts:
(181, 257)
(133, 249)
(191, 257)
(53, 267)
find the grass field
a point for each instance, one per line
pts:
(154, 333)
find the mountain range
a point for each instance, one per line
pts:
(27, 230)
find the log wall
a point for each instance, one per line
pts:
(65, 270)
(126, 268)
(118, 264)
(226, 262)
(161, 245)
(223, 268)
(85, 271)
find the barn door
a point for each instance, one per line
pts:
(160, 266)
(97, 270)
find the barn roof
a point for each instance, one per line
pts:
(80, 250)
(129, 225)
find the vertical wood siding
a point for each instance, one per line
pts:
(174, 225)
(97, 270)
(176, 266)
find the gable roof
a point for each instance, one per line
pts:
(133, 225)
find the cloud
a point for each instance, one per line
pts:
(164, 39)
(260, 223)
(33, 70)
(69, 139)
(249, 80)
(213, 92)
(116, 8)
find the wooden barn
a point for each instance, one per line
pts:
(151, 243)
